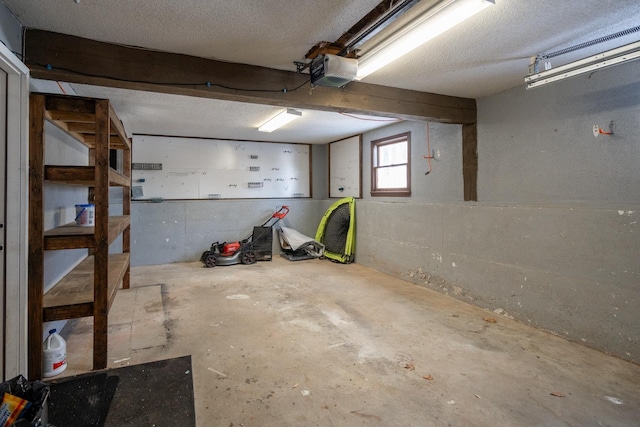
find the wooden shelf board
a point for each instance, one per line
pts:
(118, 139)
(73, 296)
(76, 116)
(70, 103)
(82, 175)
(73, 175)
(65, 117)
(117, 179)
(115, 142)
(117, 224)
(73, 236)
(116, 125)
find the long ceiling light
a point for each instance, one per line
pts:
(280, 120)
(447, 14)
(609, 58)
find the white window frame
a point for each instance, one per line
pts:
(375, 147)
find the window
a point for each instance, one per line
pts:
(390, 166)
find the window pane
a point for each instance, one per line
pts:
(392, 177)
(392, 154)
(391, 166)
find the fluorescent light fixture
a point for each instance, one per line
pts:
(280, 120)
(609, 58)
(447, 14)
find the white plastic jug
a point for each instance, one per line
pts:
(55, 354)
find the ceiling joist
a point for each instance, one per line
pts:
(55, 56)
(383, 15)
(376, 20)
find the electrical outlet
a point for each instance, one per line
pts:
(436, 155)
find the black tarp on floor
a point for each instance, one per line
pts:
(156, 393)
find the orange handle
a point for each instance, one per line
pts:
(282, 212)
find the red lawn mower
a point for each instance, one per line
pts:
(256, 247)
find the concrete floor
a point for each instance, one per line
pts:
(313, 343)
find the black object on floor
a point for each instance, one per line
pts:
(151, 394)
(154, 394)
(296, 255)
(81, 401)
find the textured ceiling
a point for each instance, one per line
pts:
(154, 113)
(485, 55)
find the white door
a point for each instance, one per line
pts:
(3, 192)
(14, 193)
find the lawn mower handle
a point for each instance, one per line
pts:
(278, 215)
(281, 213)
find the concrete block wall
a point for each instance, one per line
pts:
(571, 271)
(180, 230)
(553, 241)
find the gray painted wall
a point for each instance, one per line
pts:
(179, 231)
(59, 208)
(444, 182)
(538, 146)
(60, 201)
(553, 241)
(10, 30)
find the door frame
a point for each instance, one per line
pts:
(16, 221)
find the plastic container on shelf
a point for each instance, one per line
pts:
(55, 354)
(85, 215)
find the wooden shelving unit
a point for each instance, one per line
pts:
(89, 289)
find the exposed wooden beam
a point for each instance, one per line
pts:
(325, 47)
(370, 18)
(73, 59)
(380, 17)
(470, 161)
(36, 233)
